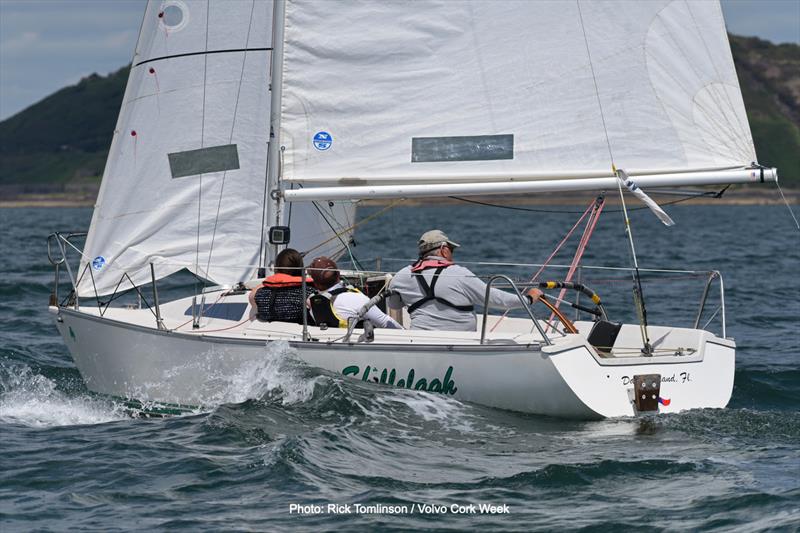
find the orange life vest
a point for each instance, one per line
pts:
(276, 281)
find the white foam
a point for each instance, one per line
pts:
(279, 372)
(219, 376)
(433, 407)
(33, 400)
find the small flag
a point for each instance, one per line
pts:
(664, 401)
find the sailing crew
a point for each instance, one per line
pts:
(441, 295)
(336, 302)
(280, 297)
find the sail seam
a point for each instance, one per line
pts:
(725, 94)
(730, 142)
(711, 149)
(680, 47)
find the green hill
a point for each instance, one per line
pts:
(64, 138)
(769, 76)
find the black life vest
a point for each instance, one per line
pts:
(325, 313)
(417, 270)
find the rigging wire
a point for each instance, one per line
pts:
(196, 319)
(713, 316)
(594, 78)
(591, 224)
(785, 201)
(230, 140)
(710, 194)
(345, 244)
(638, 295)
(338, 235)
(550, 258)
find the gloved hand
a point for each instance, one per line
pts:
(533, 295)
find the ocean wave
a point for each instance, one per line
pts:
(767, 388)
(741, 425)
(31, 399)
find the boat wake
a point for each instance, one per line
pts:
(278, 383)
(282, 383)
(31, 399)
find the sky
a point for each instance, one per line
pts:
(48, 44)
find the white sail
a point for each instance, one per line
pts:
(507, 88)
(199, 80)
(184, 184)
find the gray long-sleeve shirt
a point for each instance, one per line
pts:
(456, 284)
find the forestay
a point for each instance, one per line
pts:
(184, 184)
(481, 91)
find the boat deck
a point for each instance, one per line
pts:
(235, 323)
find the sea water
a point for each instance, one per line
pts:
(291, 447)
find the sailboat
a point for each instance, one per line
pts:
(250, 126)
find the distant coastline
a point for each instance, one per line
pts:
(85, 196)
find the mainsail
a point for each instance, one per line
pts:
(436, 93)
(184, 184)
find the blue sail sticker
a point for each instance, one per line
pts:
(98, 262)
(323, 140)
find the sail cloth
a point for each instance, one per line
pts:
(184, 182)
(397, 92)
(181, 98)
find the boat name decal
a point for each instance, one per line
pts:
(446, 385)
(683, 377)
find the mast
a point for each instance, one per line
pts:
(274, 201)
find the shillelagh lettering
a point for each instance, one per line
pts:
(445, 385)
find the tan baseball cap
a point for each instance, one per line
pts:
(433, 239)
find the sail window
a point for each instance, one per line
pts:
(204, 160)
(174, 15)
(469, 148)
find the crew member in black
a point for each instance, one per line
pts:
(279, 298)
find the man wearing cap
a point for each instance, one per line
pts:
(336, 302)
(441, 295)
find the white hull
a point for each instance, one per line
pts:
(122, 355)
